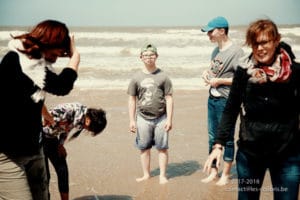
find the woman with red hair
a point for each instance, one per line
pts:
(26, 75)
(266, 86)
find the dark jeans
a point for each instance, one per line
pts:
(284, 172)
(59, 163)
(215, 110)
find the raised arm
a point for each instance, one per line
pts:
(74, 56)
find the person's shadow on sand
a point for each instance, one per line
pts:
(185, 168)
(104, 197)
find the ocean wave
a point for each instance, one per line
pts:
(178, 83)
(135, 51)
(109, 56)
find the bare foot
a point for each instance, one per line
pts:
(223, 181)
(163, 180)
(211, 177)
(145, 177)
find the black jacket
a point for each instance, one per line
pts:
(269, 125)
(21, 116)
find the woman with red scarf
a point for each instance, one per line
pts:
(266, 86)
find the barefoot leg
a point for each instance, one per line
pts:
(163, 162)
(225, 174)
(213, 175)
(145, 161)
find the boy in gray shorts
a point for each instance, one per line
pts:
(150, 112)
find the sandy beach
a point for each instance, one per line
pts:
(105, 167)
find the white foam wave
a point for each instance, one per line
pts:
(109, 56)
(5, 35)
(178, 83)
(290, 31)
(131, 51)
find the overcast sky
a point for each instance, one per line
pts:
(146, 12)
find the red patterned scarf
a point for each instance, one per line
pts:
(279, 72)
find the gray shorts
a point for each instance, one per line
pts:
(151, 133)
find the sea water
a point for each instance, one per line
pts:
(110, 55)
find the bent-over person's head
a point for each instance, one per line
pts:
(95, 120)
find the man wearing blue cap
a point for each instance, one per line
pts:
(224, 60)
(218, 22)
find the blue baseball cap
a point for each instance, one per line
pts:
(218, 22)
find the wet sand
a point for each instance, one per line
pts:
(105, 167)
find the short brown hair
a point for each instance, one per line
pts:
(263, 25)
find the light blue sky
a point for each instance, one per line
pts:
(146, 12)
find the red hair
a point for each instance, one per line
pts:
(262, 26)
(48, 34)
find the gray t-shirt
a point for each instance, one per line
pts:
(223, 64)
(150, 90)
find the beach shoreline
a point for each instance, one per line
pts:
(105, 167)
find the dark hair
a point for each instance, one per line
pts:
(98, 120)
(226, 29)
(48, 34)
